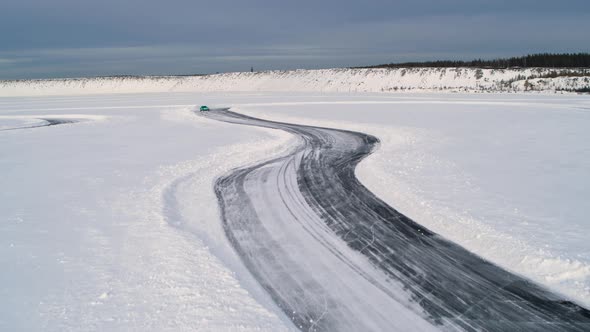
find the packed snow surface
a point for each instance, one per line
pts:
(110, 222)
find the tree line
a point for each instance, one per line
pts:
(549, 60)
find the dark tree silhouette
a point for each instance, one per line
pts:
(548, 60)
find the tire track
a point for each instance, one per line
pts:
(48, 122)
(334, 256)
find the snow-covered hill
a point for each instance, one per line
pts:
(324, 80)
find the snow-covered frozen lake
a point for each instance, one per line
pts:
(111, 222)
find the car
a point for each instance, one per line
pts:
(204, 108)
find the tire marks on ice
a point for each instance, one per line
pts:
(47, 122)
(334, 256)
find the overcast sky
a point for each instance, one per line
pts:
(65, 38)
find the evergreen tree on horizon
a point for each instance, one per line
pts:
(548, 60)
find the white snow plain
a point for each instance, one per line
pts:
(111, 223)
(88, 238)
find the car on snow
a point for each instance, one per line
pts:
(204, 108)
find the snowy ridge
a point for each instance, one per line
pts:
(323, 80)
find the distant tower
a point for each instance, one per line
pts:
(251, 69)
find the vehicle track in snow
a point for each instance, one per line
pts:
(48, 122)
(333, 256)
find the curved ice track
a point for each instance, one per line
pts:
(333, 256)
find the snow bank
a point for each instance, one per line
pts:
(324, 80)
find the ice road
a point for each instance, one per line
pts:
(333, 256)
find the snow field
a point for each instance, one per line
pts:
(87, 243)
(112, 223)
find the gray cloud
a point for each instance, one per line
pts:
(76, 38)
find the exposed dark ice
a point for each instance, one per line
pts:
(335, 257)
